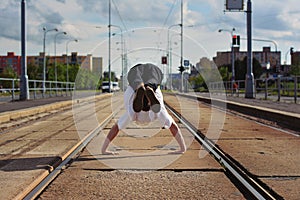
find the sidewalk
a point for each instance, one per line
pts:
(19, 105)
(275, 105)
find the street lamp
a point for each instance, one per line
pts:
(65, 33)
(232, 56)
(291, 52)
(169, 52)
(67, 44)
(44, 59)
(171, 59)
(122, 51)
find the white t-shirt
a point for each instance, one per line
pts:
(144, 117)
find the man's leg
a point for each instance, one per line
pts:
(154, 102)
(178, 136)
(138, 102)
(111, 135)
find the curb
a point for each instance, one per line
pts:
(282, 118)
(23, 113)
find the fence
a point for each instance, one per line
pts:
(11, 88)
(281, 88)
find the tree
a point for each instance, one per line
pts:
(241, 69)
(106, 76)
(8, 72)
(33, 72)
(224, 72)
(85, 79)
(295, 70)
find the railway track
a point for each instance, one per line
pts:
(252, 187)
(247, 183)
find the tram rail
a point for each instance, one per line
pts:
(248, 183)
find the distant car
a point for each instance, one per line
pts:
(114, 86)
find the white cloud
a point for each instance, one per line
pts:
(277, 21)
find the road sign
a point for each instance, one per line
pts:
(186, 63)
(234, 5)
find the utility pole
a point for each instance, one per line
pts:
(249, 93)
(24, 95)
(181, 58)
(109, 46)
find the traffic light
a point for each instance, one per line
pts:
(181, 69)
(236, 40)
(164, 60)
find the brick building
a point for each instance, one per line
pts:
(295, 58)
(94, 64)
(10, 60)
(265, 56)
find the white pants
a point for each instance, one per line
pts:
(144, 117)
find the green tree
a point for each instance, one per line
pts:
(106, 77)
(34, 72)
(241, 69)
(295, 70)
(224, 72)
(8, 72)
(85, 79)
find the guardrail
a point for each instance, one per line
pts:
(281, 88)
(10, 87)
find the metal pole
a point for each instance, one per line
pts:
(232, 64)
(232, 57)
(170, 54)
(44, 62)
(67, 78)
(295, 89)
(24, 95)
(122, 54)
(109, 46)
(249, 93)
(44, 58)
(74, 40)
(181, 59)
(55, 67)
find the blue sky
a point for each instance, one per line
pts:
(144, 24)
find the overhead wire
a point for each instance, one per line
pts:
(167, 18)
(121, 19)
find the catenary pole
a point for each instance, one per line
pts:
(24, 90)
(109, 46)
(249, 93)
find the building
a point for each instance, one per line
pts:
(295, 58)
(93, 64)
(264, 57)
(11, 60)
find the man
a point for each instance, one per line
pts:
(143, 101)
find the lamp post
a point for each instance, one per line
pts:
(67, 45)
(122, 52)
(249, 93)
(291, 52)
(169, 53)
(109, 45)
(24, 89)
(65, 33)
(266, 80)
(232, 56)
(44, 59)
(181, 43)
